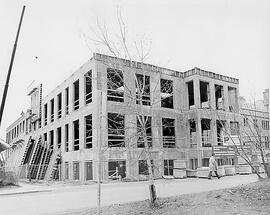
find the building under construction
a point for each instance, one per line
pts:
(93, 116)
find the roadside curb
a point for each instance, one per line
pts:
(24, 192)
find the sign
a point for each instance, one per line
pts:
(244, 149)
(221, 151)
(231, 140)
(230, 151)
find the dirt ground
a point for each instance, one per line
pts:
(251, 199)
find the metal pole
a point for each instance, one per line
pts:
(10, 67)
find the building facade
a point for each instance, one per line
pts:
(255, 128)
(97, 115)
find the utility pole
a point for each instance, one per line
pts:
(10, 67)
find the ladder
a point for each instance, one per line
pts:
(52, 166)
(26, 149)
(36, 162)
(45, 158)
(33, 155)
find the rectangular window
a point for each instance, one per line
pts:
(52, 110)
(168, 132)
(24, 126)
(76, 95)
(89, 170)
(168, 167)
(117, 169)
(59, 137)
(234, 127)
(166, 90)
(66, 170)
(219, 94)
(206, 132)
(245, 121)
(144, 129)
(115, 85)
(205, 162)
(232, 99)
(51, 139)
(263, 124)
(267, 145)
(88, 87)
(67, 99)
(59, 99)
(221, 125)
(190, 94)
(76, 170)
(45, 137)
(192, 133)
(116, 130)
(142, 84)
(204, 94)
(143, 167)
(66, 137)
(88, 131)
(76, 135)
(194, 163)
(255, 123)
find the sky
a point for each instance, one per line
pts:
(227, 37)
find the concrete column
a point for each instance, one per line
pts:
(157, 131)
(199, 139)
(82, 132)
(178, 132)
(212, 95)
(213, 131)
(226, 98)
(199, 131)
(177, 97)
(70, 138)
(49, 112)
(129, 87)
(185, 96)
(155, 89)
(55, 108)
(237, 100)
(42, 115)
(82, 170)
(54, 138)
(130, 135)
(71, 98)
(81, 91)
(64, 103)
(197, 96)
(63, 142)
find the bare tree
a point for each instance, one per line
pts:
(135, 54)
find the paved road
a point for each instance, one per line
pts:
(84, 196)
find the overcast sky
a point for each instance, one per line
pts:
(226, 37)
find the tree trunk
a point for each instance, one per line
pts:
(152, 188)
